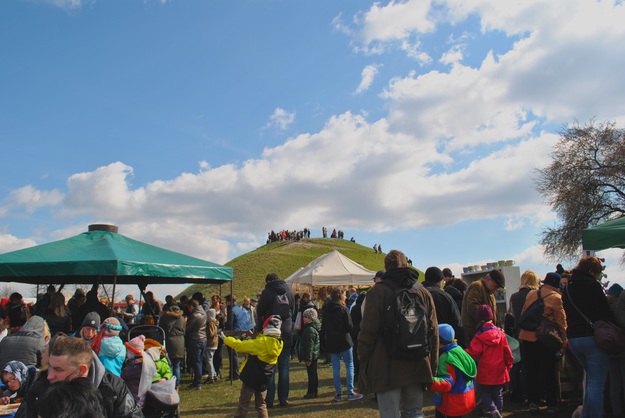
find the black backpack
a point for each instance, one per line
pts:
(531, 317)
(281, 306)
(407, 330)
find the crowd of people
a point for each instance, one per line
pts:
(77, 356)
(286, 235)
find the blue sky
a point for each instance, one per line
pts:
(199, 126)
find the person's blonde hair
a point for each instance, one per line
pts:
(529, 280)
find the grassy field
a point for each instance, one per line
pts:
(220, 399)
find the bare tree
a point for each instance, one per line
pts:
(584, 184)
(6, 290)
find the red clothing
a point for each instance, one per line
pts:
(490, 347)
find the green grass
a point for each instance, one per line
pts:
(284, 258)
(220, 399)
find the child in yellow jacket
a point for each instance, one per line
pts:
(256, 370)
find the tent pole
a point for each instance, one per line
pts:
(113, 295)
(232, 352)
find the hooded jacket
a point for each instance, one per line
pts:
(112, 354)
(266, 307)
(174, 326)
(118, 401)
(453, 386)
(378, 371)
(263, 355)
(490, 347)
(309, 344)
(25, 345)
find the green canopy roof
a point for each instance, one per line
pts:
(609, 234)
(106, 257)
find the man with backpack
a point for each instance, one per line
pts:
(277, 299)
(396, 363)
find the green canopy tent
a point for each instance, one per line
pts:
(609, 234)
(103, 256)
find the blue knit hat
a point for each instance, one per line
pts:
(446, 333)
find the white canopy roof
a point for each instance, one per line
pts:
(332, 269)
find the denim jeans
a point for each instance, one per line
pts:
(209, 367)
(196, 351)
(283, 378)
(349, 371)
(492, 397)
(405, 402)
(176, 363)
(596, 364)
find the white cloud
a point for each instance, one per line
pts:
(394, 21)
(30, 199)
(366, 77)
(281, 119)
(10, 242)
(453, 56)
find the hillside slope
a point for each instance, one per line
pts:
(284, 258)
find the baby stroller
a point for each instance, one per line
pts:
(161, 398)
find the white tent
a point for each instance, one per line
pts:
(332, 269)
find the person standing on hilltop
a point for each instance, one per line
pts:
(277, 299)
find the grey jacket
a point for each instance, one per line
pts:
(196, 325)
(26, 345)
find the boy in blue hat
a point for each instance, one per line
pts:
(454, 395)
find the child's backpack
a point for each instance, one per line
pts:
(530, 319)
(407, 330)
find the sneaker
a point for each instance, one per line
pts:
(354, 396)
(337, 398)
(495, 414)
(534, 409)
(194, 387)
(310, 396)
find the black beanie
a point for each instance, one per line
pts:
(433, 275)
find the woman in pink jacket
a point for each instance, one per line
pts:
(490, 349)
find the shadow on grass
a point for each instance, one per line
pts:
(220, 400)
